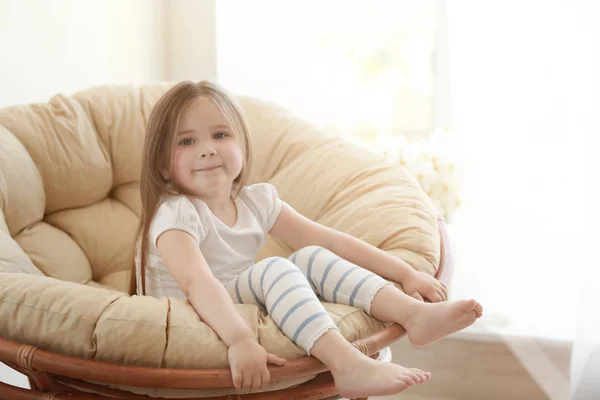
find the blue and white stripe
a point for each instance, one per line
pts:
(287, 289)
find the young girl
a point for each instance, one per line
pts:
(202, 226)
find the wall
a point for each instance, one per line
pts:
(67, 45)
(191, 40)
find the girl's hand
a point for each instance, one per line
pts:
(423, 287)
(248, 362)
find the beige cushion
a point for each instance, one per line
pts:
(69, 208)
(341, 185)
(106, 325)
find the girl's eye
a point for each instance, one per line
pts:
(220, 135)
(187, 142)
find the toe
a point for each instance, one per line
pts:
(468, 305)
(407, 380)
(420, 374)
(414, 376)
(417, 376)
(479, 310)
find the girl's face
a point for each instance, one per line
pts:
(207, 157)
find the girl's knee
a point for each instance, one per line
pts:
(278, 263)
(277, 268)
(306, 251)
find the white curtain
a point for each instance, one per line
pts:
(525, 102)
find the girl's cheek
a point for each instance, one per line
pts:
(178, 161)
(237, 154)
(236, 150)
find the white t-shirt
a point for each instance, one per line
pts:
(229, 251)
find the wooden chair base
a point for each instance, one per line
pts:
(320, 388)
(59, 377)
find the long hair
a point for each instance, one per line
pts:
(158, 154)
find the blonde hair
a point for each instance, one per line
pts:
(158, 153)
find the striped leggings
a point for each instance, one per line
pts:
(287, 289)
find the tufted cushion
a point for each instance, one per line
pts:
(342, 185)
(69, 209)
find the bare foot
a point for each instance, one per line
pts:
(369, 377)
(433, 321)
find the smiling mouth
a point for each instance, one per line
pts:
(207, 169)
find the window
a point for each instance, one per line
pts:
(364, 69)
(378, 72)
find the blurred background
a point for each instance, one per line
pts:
(493, 106)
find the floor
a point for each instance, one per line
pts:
(10, 376)
(474, 370)
(461, 370)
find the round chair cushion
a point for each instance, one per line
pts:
(69, 209)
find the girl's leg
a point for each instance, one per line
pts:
(339, 281)
(277, 286)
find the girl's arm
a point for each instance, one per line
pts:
(247, 359)
(298, 231)
(207, 295)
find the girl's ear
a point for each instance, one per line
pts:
(165, 175)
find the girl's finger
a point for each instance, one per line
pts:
(442, 295)
(246, 382)
(266, 378)
(417, 296)
(256, 381)
(445, 290)
(273, 359)
(237, 379)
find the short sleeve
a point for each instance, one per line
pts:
(177, 213)
(265, 203)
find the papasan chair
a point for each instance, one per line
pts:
(69, 206)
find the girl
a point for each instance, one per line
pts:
(202, 226)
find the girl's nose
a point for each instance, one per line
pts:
(209, 152)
